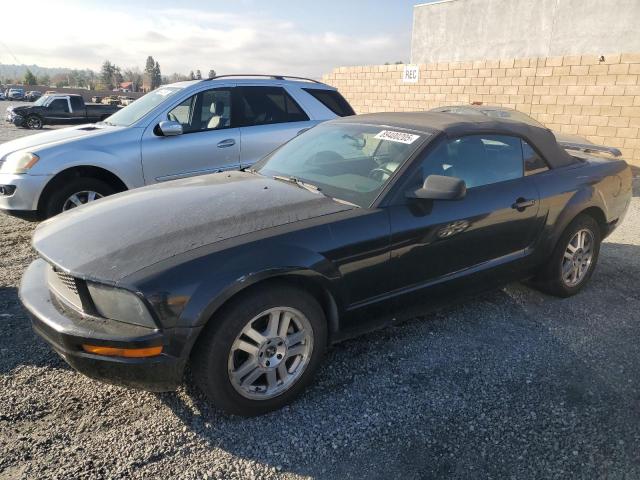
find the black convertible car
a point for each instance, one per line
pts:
(250, 275)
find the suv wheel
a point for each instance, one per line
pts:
(33, 122)
(262, 351)
(78, 191)
(573, 260)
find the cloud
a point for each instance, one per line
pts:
(187, 39)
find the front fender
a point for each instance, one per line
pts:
(186, 292)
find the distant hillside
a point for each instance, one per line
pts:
(18, 71)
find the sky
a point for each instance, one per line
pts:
(294, 37)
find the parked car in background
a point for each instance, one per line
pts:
(510, 113)
(16, 94)
(50, 92)
(32, 95)
(124, 101)
(96, 99)
(179, 130)
(110, 100)
(56, 110)
(2, 97)
(248, 276)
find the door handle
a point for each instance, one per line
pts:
(521, 204)
(229, 142)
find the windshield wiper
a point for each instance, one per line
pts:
(291, 179)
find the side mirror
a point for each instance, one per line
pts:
(169, 128)
(439, 187)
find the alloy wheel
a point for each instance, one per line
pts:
(271, 353)
(80, 198)
(578, 257)
(34, 123)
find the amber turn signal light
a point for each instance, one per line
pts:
(123, 352)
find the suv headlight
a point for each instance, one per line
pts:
(19, 162)
(121, 305)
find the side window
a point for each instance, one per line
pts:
(60, 105)
(533, 163)
(476, 159)
(76, 104)
(332, 100)
(208, 110)
(267, 105)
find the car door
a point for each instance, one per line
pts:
(209, 143)
(493, 225)
(58, 111)
(78, 111)
(268, 117)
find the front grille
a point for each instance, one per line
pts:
(68, 281)
(65, 287)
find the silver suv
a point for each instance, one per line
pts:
(179, 130)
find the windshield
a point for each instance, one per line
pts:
(41, 100)
(138, 109)
(346, 161)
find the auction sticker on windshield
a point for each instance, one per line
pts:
(399, 137)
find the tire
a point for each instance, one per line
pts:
(33, 122)
(551, 279)
(214, 356)
(55, 203)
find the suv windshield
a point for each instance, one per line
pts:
(138, 109)
(346, 161)
(41, 100)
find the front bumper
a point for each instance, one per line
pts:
(26, 191)
(66, 330)
(17, 120)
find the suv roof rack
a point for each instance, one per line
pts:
(275, 77)
(590, 148)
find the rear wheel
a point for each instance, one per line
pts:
(574, 258)
(75, 193)
(262, 351)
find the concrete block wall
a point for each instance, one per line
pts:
(582, 95)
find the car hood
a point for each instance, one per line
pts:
(40, 140)
(117, 236)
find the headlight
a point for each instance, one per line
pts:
(121, 305)
(19, 162)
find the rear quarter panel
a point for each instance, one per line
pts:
(567, 191)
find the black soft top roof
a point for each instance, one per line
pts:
(455, 125)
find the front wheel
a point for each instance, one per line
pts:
(262, 351)
(573, 260)
(33, 122)
(75, 193)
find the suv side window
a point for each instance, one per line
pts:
(332, 100)
(267, 105)
(533, 162)
(208, 110)
(59, 105)
(476, 159)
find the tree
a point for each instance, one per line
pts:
(149, 73)
(191, 75)
(212, 73)
(30, 78)
(107, 75)
(198, 75)
(45, 80)
(157, 76)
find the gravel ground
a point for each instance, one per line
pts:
(514, 384)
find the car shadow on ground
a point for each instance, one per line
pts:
(494, 385)
(19, 345)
